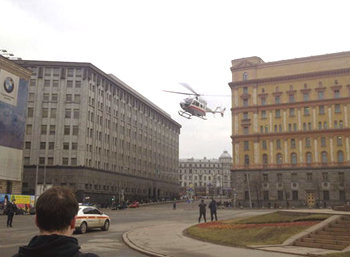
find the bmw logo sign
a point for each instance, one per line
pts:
(9, 85)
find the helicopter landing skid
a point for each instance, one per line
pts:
(185, 114)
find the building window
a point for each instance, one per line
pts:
(73, 161)
(341, 176)
(320, 95)
(76, 114)
(30, 112)
(307, 142)
(245, 90)
(28, 145)
(266, 177)
(43, 129)
(246, 145)
(294, 127)
(291, 99)
(263, 114)
(51, 145)
(306, 97)
(304, 126)
(325, 126)
(246, 159)
(54, 97)
(336, 94)
(325, 176)
(339, 141)
(335, 124)
(308, 157)
(306, 111)
(69, 83)
(65, 145)
(280, 195)
(42, 160)
(279, 158)
(246, 130)
(340, 124)
(279, 177)
(52, 129)
(55, 83)
(64, 161)
(337, 108)
(321, 109)
(323, 141)
(320, 125)
(246, 195)
(264, 145)
(340, 157)
(309, 176)
(76, 98)
(42, 145)
(53, 113)
(342, 195)
(278, 143)
(245, 76)
(278, 113)
(68, 97)
(289, 127)
(326, 195)
(264, 157)
(277, 100)
(245, 102)
(29, 129)
(295, 195)
(263, 101)
(309, 126)
(324, 157)
(74, 146)
(46, 97)
(46, 83)
(75, 130)
(266, 195)
(293, 158)
(292, 143)
(291, 112)
(68, 113)
(66, 130)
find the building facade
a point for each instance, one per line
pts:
(13, 104)
(89, 131)
(206, 177)
(290, 131)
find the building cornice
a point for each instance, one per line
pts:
(12, 67)
(302, 76)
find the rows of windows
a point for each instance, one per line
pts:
(294, 177)
(295, 195)
(294, 158)
(292, 96)
(292, 143)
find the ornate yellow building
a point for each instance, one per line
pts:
(290, 131)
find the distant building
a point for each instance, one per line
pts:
(207, 177)
(290, 133)
(13, 105)
(91, 132)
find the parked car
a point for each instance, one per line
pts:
(89, 217)
(134, 205)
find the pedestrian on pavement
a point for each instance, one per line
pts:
(202, 211)
(56, 211)
(213, 207)
(174, 205)
(11, 208)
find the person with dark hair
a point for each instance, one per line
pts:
(202, 211)
(56, 211)
(10, 210)
(213, 207)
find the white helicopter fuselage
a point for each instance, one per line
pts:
(193, 106)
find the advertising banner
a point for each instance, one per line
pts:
(21, 200)
(13, 105)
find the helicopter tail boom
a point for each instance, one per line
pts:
(219, 110)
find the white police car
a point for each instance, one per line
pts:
(89, 217)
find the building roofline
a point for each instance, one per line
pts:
(110, 77)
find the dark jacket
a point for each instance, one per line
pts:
(52, 246)
(202, 207)
(11, 208)
(212, 206)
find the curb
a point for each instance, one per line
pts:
(135, 247)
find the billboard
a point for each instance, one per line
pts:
(13, 105)
(21, 200)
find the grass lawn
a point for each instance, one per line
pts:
(273, 228)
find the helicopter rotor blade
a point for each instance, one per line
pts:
(189, 88)
(174, 92)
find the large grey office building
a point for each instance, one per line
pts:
(89, 131)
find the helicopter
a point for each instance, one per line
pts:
(195, 105)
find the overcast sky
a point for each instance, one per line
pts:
(154, 45)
